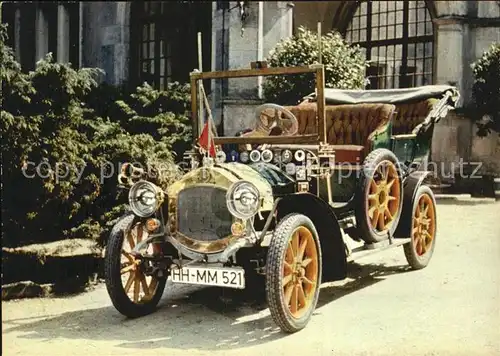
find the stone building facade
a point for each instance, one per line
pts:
(409, 43)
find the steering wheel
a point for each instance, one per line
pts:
(275, 120)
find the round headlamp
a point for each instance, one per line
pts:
(144, 198)
(243, 200)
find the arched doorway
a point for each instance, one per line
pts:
(397, 38)
(163, 40)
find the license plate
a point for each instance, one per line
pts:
(230, 277)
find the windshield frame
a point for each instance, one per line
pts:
(317, 69)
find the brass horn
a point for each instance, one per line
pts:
(130, 174)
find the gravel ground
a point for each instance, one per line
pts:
(450, 308)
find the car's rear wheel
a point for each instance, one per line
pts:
(379, 196)
(293, 272)
(134, 290)
(423, 229)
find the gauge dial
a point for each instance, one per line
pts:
(255, 156)
(244, 156)
(290, 168)
(267, 156)
(300, 155)
(220, 157)
(286, 156)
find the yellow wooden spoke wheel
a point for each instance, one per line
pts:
(293, 272)
(140, 288)
(423, 229)
(380, 196)
(133, 285)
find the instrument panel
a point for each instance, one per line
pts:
(294, 162)
(301, 162)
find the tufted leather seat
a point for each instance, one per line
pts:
(349, 127)
(410, 115)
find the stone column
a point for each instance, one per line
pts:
(106, 38)
(267, 23)
(42, 35)
(63, 34)
(449, 66)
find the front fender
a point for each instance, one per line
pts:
(124, 222)
(410, 186)
(324, 219)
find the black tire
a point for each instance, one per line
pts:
(275, 273)
(418, 257)
(372, 165)
(114, 283)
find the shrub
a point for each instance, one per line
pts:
(486, 90)
(344, 66)
(56, 114)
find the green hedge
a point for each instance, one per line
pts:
(345, 66)
(56, 114)
(486, 90)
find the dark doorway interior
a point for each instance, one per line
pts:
(164, 40)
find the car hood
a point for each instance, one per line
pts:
(223, 176)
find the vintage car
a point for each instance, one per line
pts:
(283, 198)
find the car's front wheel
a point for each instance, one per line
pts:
(133, 286)
(293, 272)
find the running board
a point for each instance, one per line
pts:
(369, 249)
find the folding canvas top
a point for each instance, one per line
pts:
(389, 96)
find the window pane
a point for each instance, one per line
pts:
(420, 50)
(151, 50)
(169, 49)
(162, 66)
(428, 65)
(383, 33)
(154, 7)
(354, 36)
(390, 32)
(383, 6)
(412, 29)
(169, 68)
(411, 50)
(421, 29)
(152, 31)
(428, 27)
(387, 25)
(391, 18)
(363, 8)
(428, 78)
(412, 15)
(428, 49)
(382, 54)
(383, 19)
(399, 31)
(399, 16)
